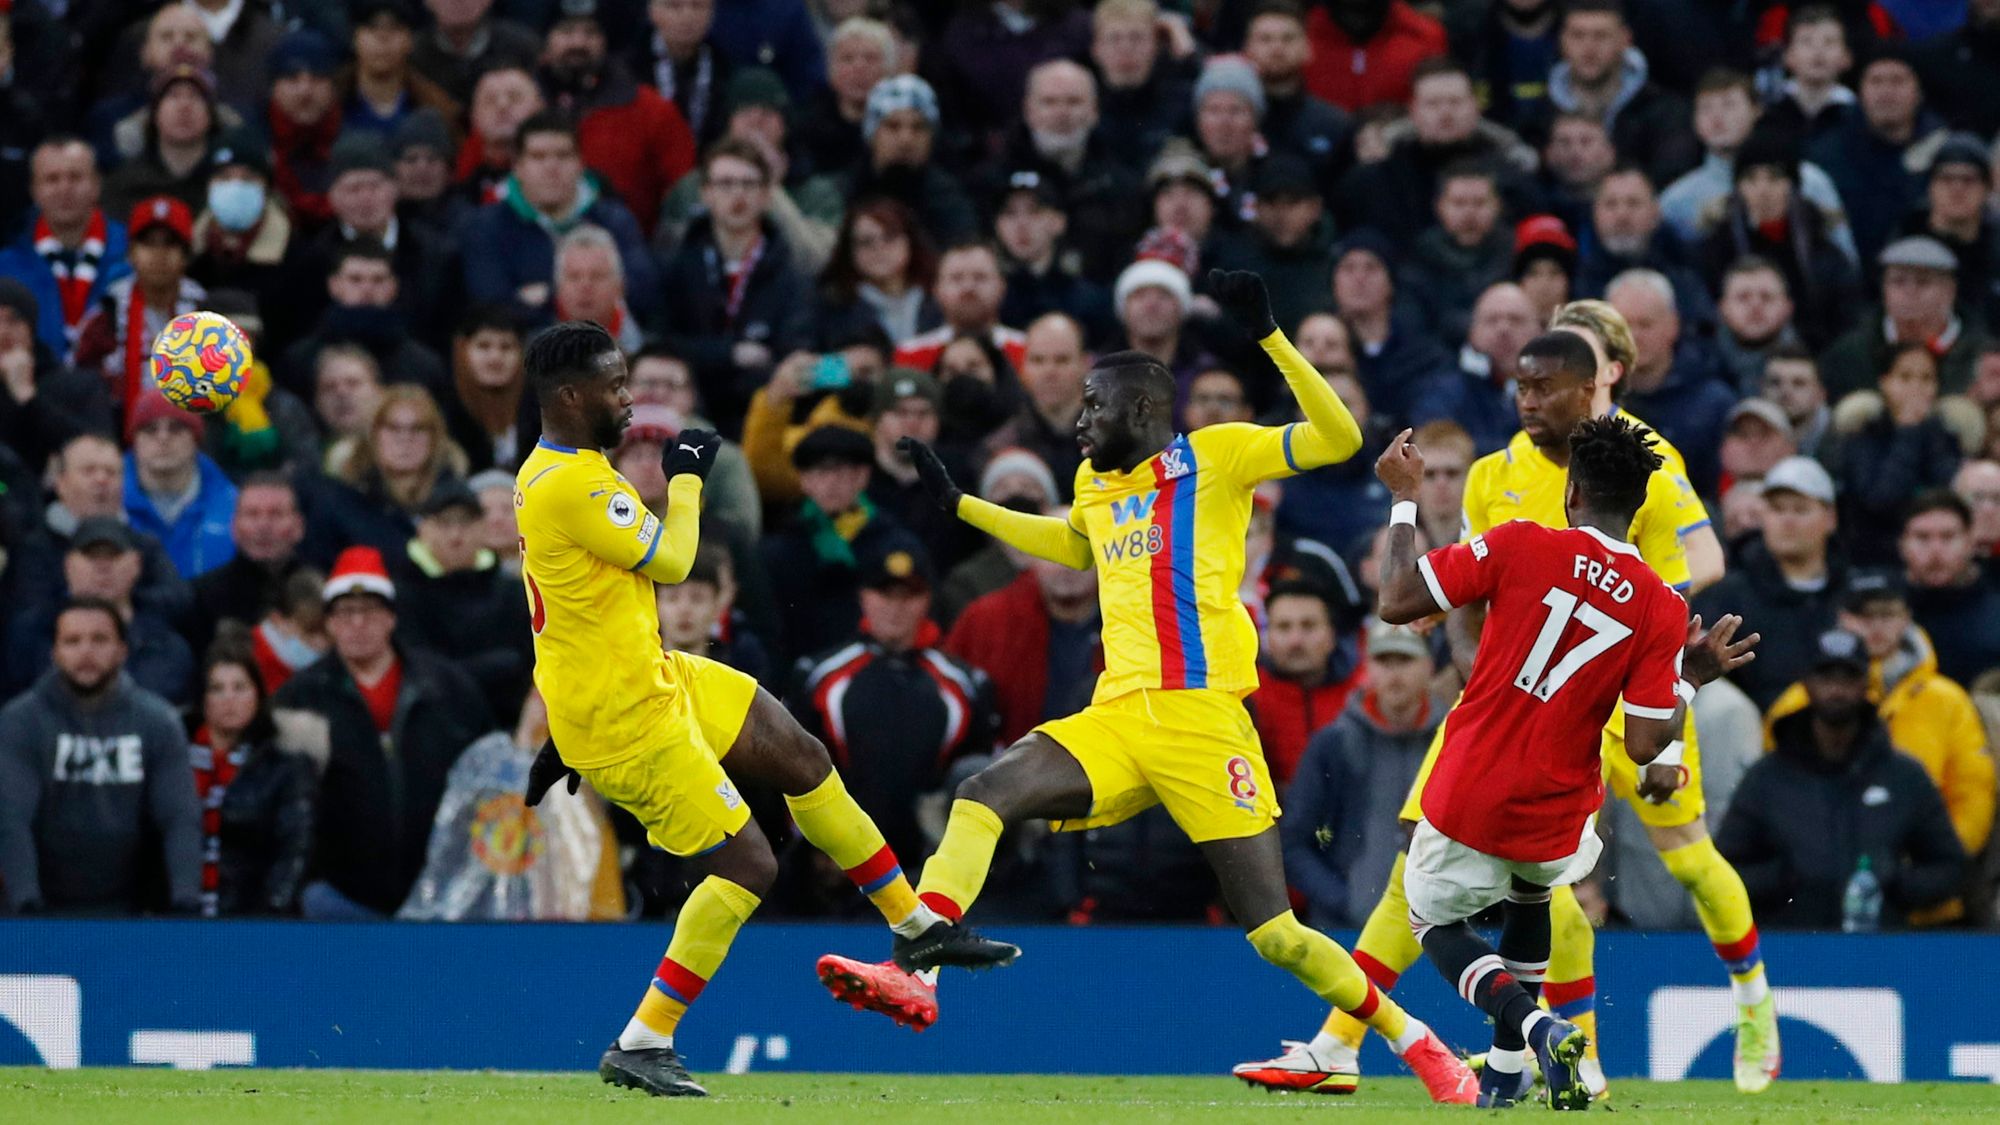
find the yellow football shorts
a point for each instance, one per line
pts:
(675, 784)
(1621, 776)
(1193, 750)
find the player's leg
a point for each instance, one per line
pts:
(1251, 872)
(736, 875)
(1036, 778)
(1524, 951)
(1571, 988)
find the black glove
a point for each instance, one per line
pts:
(1241, 295)
(547, 770)
(692, 452)
(930, 471)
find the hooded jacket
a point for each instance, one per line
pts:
(1340, 827)
(1649, 126)
(1788, 619)
(92, 795)
(198, 538)
(1288, 713)
(1799, 825)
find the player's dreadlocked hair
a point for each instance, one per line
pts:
(1611, 459)
(564, 353)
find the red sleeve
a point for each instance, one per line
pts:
(677, 142)
(1652, 684)
(1462, 573)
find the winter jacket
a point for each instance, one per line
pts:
(34, 574)
(1031, 295)
(1481, 404)
(1686, 204)
(1881, 466)
(1403, 373)
(1357, 74)
(1799, 827)
(507, 245)
(943, 709)
(1690, 409)
(156, 657)
(1788, 619)
(1857, 359)
(241, 590)
(95, 796)
(1317, 131)
(1287, 713)
(475, 618)
(1299, 278)
(1960, 71)
(1398, 194)
(1098, 198)
(1879, 181)
(1444, 279)
(260, 829)
(1006, 634)
(1824, 285)
(1138, 121)
(1963, 624)
(631, 136)
(776, 311)
(1933, 720)
(378, 794)
(1596, 266)
(20, 262)
(198, 539)
(426, 290)
(1340, 828)
(1650, 126)
(383, 333)
(941, 205)
(819, 585)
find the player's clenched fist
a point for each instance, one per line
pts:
(931, 473)
(1241, 294)
(1401, 467)
(693, 451)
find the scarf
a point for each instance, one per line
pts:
(578, 213)
(212, 778)
(736, 282)
(695, 109)
(833, 536)
(293, 144)
(137, 343)
(75, 270)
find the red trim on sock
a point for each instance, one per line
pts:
(1382, 975)
(873, 868)
(1739, 949)
(942, 905)
(1560, 992)
(1368, 1006)
(681, 979)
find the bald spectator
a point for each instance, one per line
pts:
(1503, 321)
(985, 54)
(590, 285)
(1059, 139)
(1053, 365)
(1676, 382)
(626, 132)
(71, 249)
(1919, 296)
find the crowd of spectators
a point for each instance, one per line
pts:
(241, 653)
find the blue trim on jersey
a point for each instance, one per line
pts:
(651, 549)
(1696, 526)
(1186, 606)
(1567, 1011)
(1682, 588)
(1289, 461)
(545, 443)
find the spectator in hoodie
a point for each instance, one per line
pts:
(1603, 74)
(1305, 672)
(1468, 250)
(72, 248)
(1928, 716)
(1812, 102)
(626, 131)
(1877, 157)
(1366, 52)
(1903, 449)
(1833, 794)
(173, 492)
(1676, 382)
(1788, 579)
(1765, 216)
(1949, 599)
(1143, 89)
(1342, 838)
(381, 87)
(1920, 293)
(93, 768)
(1725, 111)
(103, 562)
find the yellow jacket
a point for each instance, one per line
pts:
(769, 435)
(1933, 720)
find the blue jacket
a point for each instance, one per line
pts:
(200, 540)
(1691, 409)
(20, 262)
(504, 250)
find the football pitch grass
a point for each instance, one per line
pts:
(263, 1097)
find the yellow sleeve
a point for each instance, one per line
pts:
(1045, 537)
(1478, 487)
(610, 521)
(1656, 531)
(1967, 785)
(1328, 436)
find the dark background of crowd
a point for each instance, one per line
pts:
(244, 651)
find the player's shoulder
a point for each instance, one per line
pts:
(1671, 460)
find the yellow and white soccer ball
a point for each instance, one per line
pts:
(199, 362)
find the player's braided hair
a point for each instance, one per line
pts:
(565, 353)
(1611, 459)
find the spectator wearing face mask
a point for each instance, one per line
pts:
(243, 234)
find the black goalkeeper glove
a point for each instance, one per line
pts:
(931, 472)
(692, 452)
(547, 770)
(1241, 294)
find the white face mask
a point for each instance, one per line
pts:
(236, 204)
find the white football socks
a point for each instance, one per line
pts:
(1752, 991)
(919, 920)
(1412, 1035)
(638, 1037)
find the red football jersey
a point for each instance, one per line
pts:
(1574, 619)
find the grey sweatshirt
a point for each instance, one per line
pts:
(84, 789)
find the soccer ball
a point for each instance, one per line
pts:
(199, 362)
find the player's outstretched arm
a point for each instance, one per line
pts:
(1044, 537)
(1405, 596)
(1330, 434)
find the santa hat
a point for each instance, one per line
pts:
(359, 570)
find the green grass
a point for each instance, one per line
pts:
(262, 1097)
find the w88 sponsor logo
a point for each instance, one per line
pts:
(1138, 543)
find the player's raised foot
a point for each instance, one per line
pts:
(883, 987)
(1559, 1046)
(1444, 1074)
(1757, 1053)
(1499, 1091)
(952, 943)
(656, 1070)
(1334, 1071)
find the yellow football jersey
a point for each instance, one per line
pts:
(1521, 483)
(1167, 539)
(590, 554)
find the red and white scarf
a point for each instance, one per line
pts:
(75, 270)
(213, 775)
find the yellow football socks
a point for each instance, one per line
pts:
(831, 821)
(958, 868)
(1323, 966)
(1724, 907)
(707, 923)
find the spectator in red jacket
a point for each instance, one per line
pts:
(1304, 674)
(1364, 52)
(1037, 637)
(629, 134)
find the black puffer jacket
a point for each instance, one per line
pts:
(260, 835)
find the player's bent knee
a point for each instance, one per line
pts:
(1283, 941)
(749, 863)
